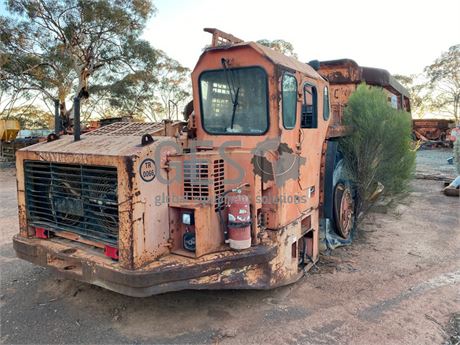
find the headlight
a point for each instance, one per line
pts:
(187, 218)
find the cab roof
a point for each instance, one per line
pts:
(276, 57)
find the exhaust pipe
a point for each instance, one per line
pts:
(76, 118)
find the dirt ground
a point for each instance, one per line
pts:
(433, 162)
(397, 284)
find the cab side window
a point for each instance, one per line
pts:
(309, 107)
(289, 99)
(326, 109)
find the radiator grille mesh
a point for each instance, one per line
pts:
(196, 180)
(127, 129)
(200, 177)
(219, 186)
(76, 198)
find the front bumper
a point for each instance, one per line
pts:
(249, 269)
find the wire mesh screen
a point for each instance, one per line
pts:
(202, 178)
(196, 180)
(80, 199)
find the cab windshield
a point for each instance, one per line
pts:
(234, 101)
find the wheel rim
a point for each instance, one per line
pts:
(344, 210)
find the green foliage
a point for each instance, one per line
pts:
(379, 149)
(444, 82)
(419, 93)
(144, 94)
(30, 117)
(282, 46)
(53, 48)
(437, 89)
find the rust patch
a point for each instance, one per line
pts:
(130, 173)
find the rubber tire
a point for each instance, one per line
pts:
(340, 177)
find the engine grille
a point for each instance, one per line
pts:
(76, 198)
(219, 186)
(196, 183)
(199, 178)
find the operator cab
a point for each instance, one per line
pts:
(269, 114)
(248, 91)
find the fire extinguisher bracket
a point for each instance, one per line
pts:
(238, 225)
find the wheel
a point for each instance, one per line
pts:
(344, 206)
(343, 202)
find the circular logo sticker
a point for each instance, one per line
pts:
(147, 170)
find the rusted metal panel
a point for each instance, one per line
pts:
(124, 188)
(338, 131)
(345, 75)
(309, 140)
(347, 71)
(381, 77)
(343, 71)
(225, 270)
(143, 232)
(432, 129)
(339, 94)
(222, 38)
(153, 191)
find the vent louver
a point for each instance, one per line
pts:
(199, 177)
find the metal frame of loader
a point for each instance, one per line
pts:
(149, 257)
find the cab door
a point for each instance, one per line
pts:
(307, 141)
(315, 117)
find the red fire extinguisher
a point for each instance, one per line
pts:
(239, 221)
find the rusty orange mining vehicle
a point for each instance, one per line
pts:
(344, 76)
(232, 198)
(436, 131)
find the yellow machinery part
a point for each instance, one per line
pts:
(9, 129)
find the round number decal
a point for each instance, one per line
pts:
(147, 170)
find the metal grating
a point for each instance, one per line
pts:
(76, 198)
(198, 178)
(127, 129)
(218, 172)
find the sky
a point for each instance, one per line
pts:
(402, 36)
